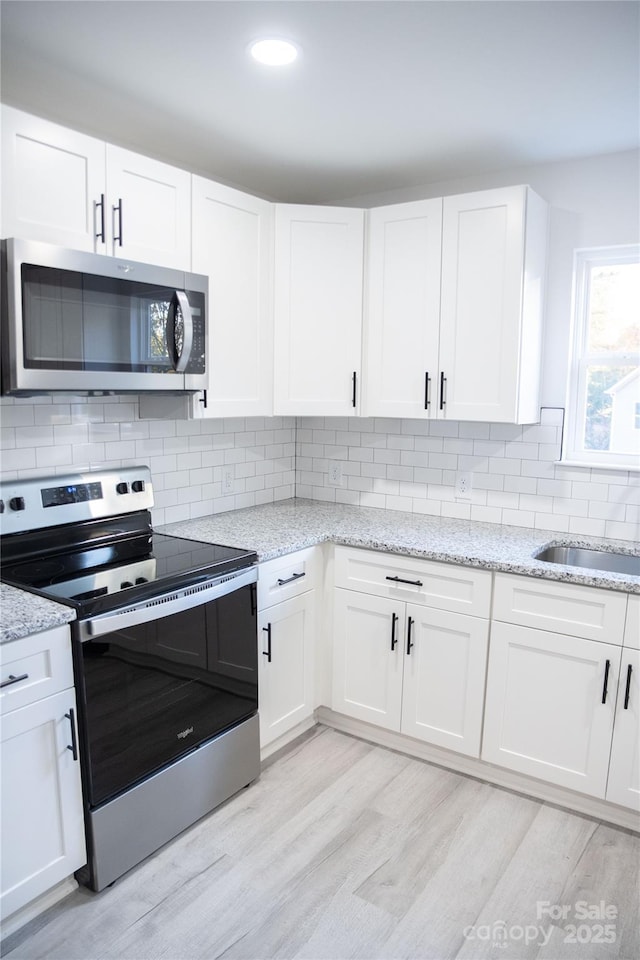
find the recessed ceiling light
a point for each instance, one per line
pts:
(274, 52)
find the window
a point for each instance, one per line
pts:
(603, 401)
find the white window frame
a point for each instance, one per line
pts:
(573, 450)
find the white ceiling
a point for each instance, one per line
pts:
(386, 95)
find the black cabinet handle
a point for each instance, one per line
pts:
(203, 399)
(354, 381)
(267, 653)
(118, 208)
(295, 576)
(409, 629)
(627, 690)
(101, 234)
(413, 583)
(12, 679)
(606, 681)
(443, 380)
(394, 620)
(427, 400)
(73, 746)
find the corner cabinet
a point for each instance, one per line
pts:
(42, 814)
(64, 188)
(454, 307)
(286, 643)
(410, 646)
(317, 310)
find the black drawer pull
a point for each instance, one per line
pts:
(413, 583)
(12, 679)
(267, 653)
(73, 746)
(394, 620)
(409, 629)
(606, 681)
(627, 690)
(295, 576)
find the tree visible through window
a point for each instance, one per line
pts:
(604, 389)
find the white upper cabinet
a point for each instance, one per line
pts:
(233, 246)
(148, 210)
(51, 180)
(493, 263)
(61, 187)
(402, 310)
(318, 310)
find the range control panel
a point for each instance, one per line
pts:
(38, 502)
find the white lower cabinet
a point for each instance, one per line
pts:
(410, 668)
(286, 642)
(42, 816)
(550, 706)
(623, 785)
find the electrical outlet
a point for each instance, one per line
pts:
(227, 480)
(335, 474)
(464, 485)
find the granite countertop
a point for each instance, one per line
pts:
(24, 613)
(275, 529)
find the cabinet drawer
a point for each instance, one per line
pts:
(560, 607)
(288, 576)
(441, 585)
(632, 626)
(41, 665)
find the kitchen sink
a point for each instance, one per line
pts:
(592, 559)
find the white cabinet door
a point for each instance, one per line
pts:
(233, 246)
(444, 674)
(544, 712)
(148, 210)
(493, 256)
(52, 179)
(42, 817)
(623, 785)
(318, 310)
(368, 657)
(285, 665)
(402, 312)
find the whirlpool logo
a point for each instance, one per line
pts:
(185, 733)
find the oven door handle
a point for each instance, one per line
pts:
(165, 605)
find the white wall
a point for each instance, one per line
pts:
(593, 202)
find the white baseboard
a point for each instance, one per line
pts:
(287, 737)
(577, 802)
(9, 925)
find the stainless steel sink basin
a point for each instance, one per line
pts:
(592, 559)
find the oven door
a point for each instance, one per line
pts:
(157, 681)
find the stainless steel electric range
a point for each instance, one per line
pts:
(164, 649)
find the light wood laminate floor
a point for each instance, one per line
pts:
(346, 849)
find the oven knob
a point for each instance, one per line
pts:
(125, 584)
(16, 503)
(122, 488)
(1, 506)
(141, 580)
(137, 486)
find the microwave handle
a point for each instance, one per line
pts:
(181, 362)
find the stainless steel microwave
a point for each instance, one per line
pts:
(88, 323)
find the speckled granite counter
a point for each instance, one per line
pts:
(279, 528)
(23, 613)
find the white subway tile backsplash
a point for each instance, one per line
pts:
(398, 464)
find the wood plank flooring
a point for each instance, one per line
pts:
(345, 849)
